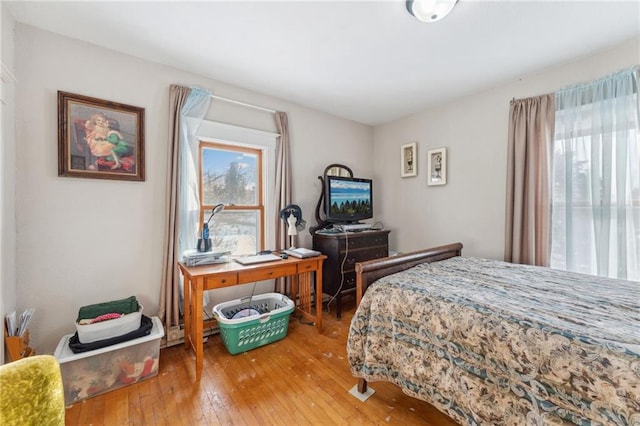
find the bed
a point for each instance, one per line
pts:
(489, 342)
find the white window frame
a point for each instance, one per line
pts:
(212, 131)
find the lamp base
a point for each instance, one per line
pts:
(204, 244)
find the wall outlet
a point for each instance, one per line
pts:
(175, 335)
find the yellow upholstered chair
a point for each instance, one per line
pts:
(31, 392)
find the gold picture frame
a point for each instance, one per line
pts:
(99, 139)
(437, 166)
(409, 160)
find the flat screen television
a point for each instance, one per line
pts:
(347, 199)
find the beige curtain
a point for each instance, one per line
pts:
(169, 310)
(528, 210)
(283, 185)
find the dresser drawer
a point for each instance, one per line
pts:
(269, 273)
(361, 256)
(368, 241)
(349, 280)
(331, 286)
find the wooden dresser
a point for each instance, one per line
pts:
(343, 251)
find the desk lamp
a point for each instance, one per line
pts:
(204, 242)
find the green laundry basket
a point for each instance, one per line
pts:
(269, 324)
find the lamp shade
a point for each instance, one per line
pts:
(430, 10)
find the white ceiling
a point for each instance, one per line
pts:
(368, 61)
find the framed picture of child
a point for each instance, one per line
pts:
(99, 139)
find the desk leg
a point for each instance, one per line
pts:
(186, 289)
(197, 333)
(319, 299)
(294, 290)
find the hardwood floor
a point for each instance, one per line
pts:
(303, 379)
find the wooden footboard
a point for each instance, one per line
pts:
(369, 271)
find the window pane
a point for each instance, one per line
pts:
(229, 177)
(237, 231)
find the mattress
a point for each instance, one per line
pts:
(489, 342)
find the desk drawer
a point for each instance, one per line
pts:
(268, 273)
(221, 280)
(307, 267)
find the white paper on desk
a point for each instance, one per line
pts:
(25, 319)
(11, 323)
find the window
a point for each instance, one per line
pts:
(596, 179)
(232, 174)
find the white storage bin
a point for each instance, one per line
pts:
(88, 333)
(95, 372)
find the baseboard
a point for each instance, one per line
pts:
(175, 335)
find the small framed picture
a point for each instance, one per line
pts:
(409, 160)
(99, 139)
(437, 166)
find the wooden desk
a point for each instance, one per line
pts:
(209, 277)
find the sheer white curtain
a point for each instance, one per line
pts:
(192, 114)
(596, 178)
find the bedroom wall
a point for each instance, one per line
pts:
(7, 174)
(470, 208)
(83, 241)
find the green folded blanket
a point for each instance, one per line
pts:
(124, 306)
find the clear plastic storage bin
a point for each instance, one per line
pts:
(95, 372)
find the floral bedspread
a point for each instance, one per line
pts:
(489, 342)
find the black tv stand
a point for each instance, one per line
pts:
(343, 251)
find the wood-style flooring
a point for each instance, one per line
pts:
(303, 379)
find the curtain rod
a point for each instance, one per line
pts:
(243, 104)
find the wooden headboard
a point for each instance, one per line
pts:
(371, 270)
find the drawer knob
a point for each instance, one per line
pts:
(224, 281)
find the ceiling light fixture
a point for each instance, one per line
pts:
(430, 10)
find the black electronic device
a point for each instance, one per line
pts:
(348, 199)
(204, 242)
